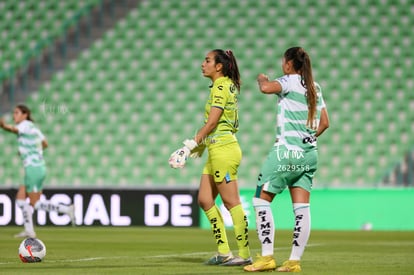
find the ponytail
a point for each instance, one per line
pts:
(230, 68)
(302, 64)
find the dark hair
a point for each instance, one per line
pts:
(25, 110)
(302, 64)
(230, 68)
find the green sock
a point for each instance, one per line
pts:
(218, 228)
(241, 230)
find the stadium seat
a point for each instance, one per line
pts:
(137, 92)
(30, 24)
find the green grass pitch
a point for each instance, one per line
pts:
(140, 250)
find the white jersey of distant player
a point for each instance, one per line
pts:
(30, 144)
(291, 129)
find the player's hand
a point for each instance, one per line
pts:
(180, 156)
(262, 77)
(196, 150)
(2, 123)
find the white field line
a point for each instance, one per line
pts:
(374, 243)
(91, 259)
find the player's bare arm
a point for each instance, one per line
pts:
(9, 128)
(212, 121)
(323, 123)
(45, 144)
(266, 86)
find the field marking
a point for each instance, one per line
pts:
(8, 263)
(169, 255)
(88, 259)
(212, 252)
(390, 243)
(193, 254)
(153, 256)
(122, 257)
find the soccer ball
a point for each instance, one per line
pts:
(32, 250)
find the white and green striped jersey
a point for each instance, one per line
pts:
(29, 139)
(292, 114)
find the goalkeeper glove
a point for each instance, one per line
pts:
(198, 151)
(180, 156)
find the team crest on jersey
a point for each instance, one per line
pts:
(232, 89)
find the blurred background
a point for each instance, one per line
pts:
(116, 85)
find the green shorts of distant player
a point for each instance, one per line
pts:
(34, 177)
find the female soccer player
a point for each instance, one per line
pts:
(292, 161)
(31, 143)
(224, 155)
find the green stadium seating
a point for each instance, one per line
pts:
(135, 94)
(29, 26)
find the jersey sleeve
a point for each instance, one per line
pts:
(284, 83)
(219, 96)
(23, 128)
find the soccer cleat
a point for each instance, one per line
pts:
(263, 263)
(25, 234)
(72, 214)
(290, 266)
(237, 261)
(219, 259)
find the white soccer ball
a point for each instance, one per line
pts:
(32, 250)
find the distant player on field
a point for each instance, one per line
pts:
(292, 161)
(224, 155)
(31, 143)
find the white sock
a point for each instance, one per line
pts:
(49, 207)
(265, 225)
(27, 215)
(301, 231)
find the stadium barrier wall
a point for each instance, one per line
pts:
(339, 209)
(332, 209)
(110, 207)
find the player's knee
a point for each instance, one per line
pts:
(205, 204)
